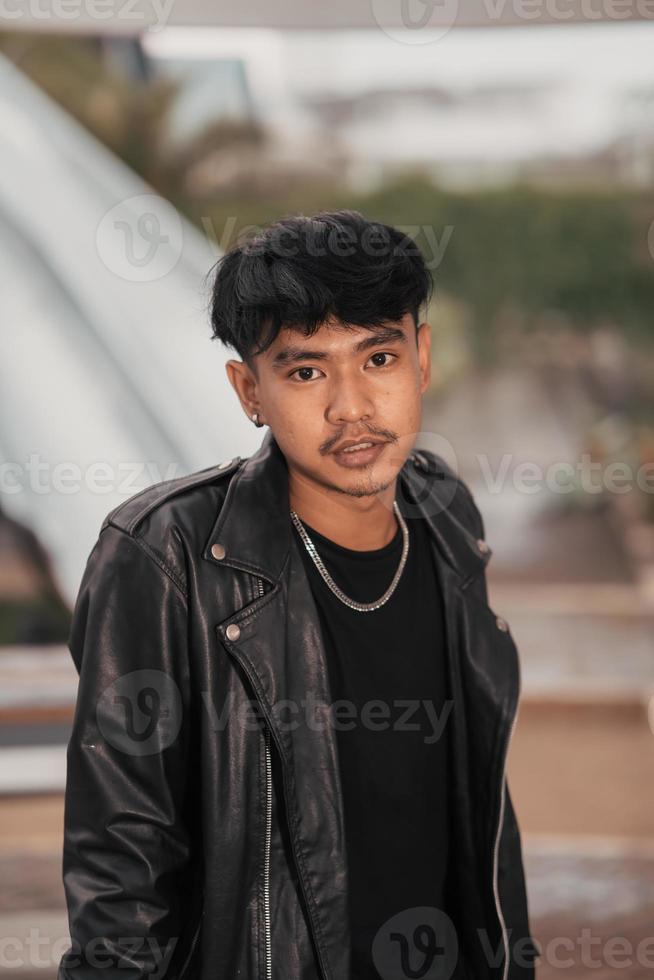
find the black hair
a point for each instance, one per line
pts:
(300, 270)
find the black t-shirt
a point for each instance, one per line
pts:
(393, 757)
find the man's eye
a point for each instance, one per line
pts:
(297, 371)
(383, 353)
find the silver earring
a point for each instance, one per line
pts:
(255, 419)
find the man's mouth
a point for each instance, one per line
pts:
(361, 454)
(358, 445)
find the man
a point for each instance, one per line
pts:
(295, 703)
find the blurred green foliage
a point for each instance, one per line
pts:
(520, 248)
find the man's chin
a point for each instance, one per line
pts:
(360, 484)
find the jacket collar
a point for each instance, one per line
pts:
(254, 524)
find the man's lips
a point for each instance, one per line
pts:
(360, 457)
(366, 443)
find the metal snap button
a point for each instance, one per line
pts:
(223, 466)
(233, 631)
(482, 546)
(502, 624)
(218, 550)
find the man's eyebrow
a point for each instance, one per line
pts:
(292, 354)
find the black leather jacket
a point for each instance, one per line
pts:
(204, 841)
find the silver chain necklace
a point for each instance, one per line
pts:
(318, 562)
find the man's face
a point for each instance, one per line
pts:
(346, 384)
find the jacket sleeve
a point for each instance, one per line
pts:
(511, 876)
(125, 840)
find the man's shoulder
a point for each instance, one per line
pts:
(164, 496)
(171, 518)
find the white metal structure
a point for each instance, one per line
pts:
(106, 361)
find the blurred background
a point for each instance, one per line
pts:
(515, 142)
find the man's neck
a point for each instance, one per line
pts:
(359, 523)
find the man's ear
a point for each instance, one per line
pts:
(244, 382)
(424, 355)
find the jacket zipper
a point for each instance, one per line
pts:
(496, 893)
(496, 844)
(266, 865)
(267, 842)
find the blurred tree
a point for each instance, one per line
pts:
(522, 249)
(129, 117)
